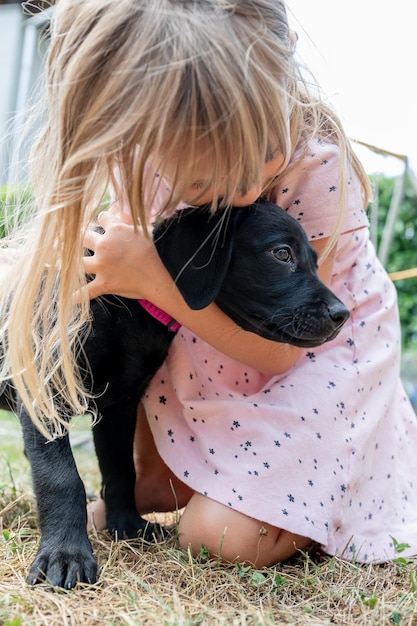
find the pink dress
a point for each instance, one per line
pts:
(328, 449)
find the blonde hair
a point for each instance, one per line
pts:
(164, 75)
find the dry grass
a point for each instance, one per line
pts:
(162, 585)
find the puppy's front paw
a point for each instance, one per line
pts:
(130, 525)
(63, 565)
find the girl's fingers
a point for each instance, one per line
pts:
(89, 264)
(115, 256)
(103, 256)
(91, 238)
(103, 218)
(89, 291)
(112, 215)
(92, 290)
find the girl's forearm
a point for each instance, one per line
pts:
(266, 356)
(217, 329)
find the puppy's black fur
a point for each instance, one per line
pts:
(258, 266)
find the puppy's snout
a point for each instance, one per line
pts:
(338, 313)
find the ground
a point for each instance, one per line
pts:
(163, 585)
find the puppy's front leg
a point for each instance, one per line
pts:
(65, 556)
(113, 438)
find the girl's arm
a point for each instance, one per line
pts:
(126, 263)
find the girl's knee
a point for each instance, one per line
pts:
(233, 536)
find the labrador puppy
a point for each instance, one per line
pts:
(257, 265)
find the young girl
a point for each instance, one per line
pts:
(268, 446)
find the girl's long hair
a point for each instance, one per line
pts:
(168, 76)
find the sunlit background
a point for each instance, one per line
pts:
(364, 54)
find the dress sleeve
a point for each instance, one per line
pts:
(310, 193)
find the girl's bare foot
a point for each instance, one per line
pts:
(96, 515)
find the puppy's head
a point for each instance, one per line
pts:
(257, 264)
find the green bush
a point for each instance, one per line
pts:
(402, 253)
(12, 206)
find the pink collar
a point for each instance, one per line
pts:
(160, 315)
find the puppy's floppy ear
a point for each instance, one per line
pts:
(195, 246)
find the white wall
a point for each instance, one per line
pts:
(22, 48)
(10, 54)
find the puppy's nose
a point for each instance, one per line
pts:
(338, 313)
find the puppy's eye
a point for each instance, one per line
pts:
(283, 254)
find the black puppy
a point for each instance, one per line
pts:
(258, 266)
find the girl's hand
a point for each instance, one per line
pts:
(124, 261)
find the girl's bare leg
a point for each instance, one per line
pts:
(157, 489)
(233, 536)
